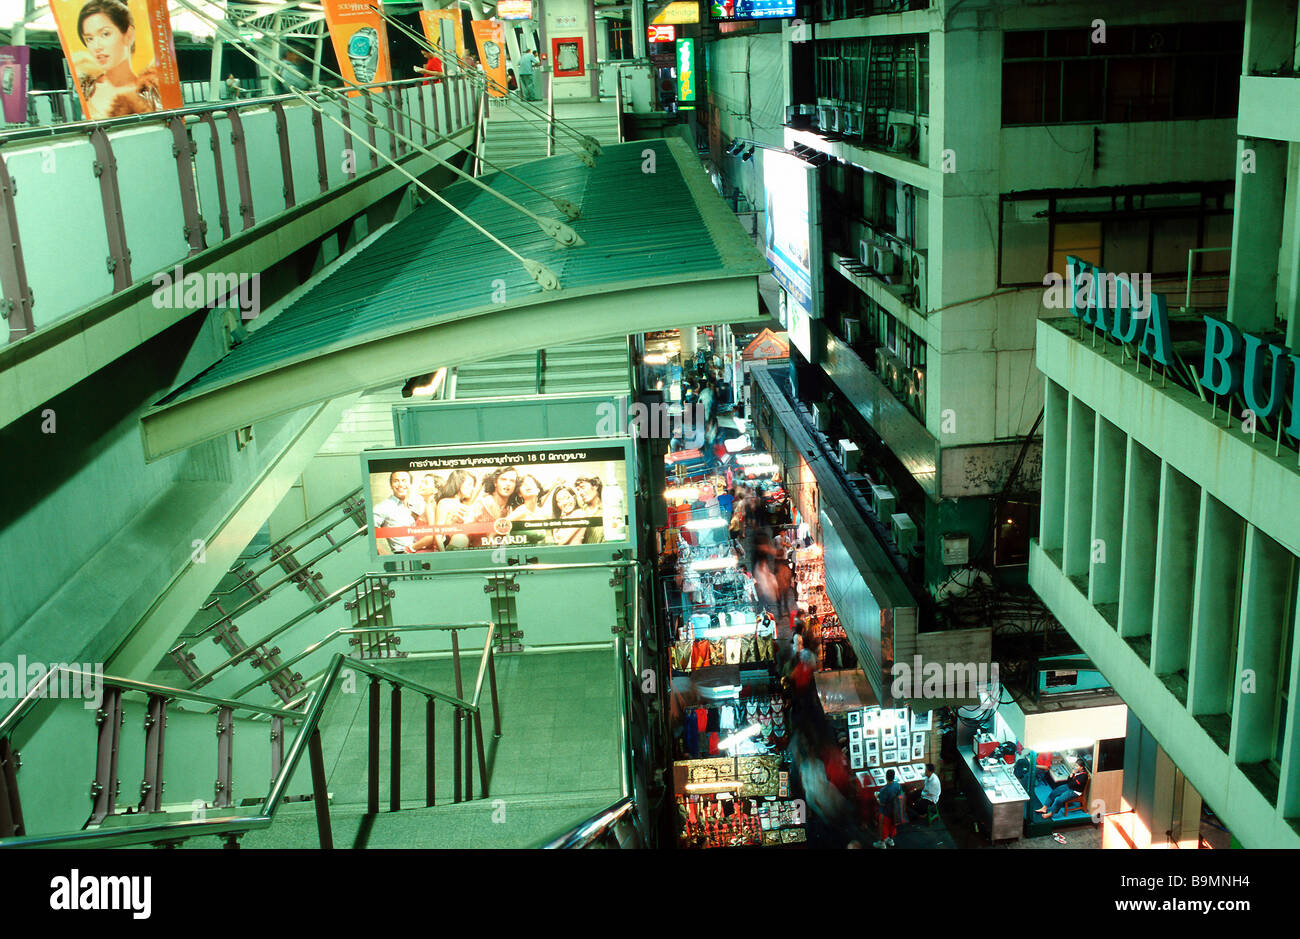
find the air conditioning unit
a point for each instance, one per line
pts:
(883, 501)
(850, 455)
(917, 279)
(821, 416)
(882, 362)
(884, 261)
(916, 397)
(825, 119)
(900, 136)
(903, 530)
(852, 125)
(852, 330)
(864, 252)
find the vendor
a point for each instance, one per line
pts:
(1068, 790)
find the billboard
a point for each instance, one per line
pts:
(490, 36)
(121, 55)
(360, 39)
(686, 73)
(443, 29)
(791, 238)
(522, 496)
(515, 9)
(751, 9)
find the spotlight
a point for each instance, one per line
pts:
(735, 148)
(749, 155)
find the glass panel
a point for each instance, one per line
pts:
(1084, 90)
(1081, 239)
(1125, 248)
(1172, 240)
(1022, 93)
(1024, 243)
(1022, 45)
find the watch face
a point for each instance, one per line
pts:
(363, 42)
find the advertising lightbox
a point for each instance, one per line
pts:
(792, 239)
(528, 496)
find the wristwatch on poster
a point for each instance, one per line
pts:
(363, 50)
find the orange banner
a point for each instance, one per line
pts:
(360, 39)
(491, 39)
(444, 31)
(121, 55)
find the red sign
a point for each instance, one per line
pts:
(665, 33)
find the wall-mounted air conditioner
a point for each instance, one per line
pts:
(850, 455)
(883, 501)
(852, 330)
(903, 530)
(900, 136)
(916, 396)
(864, 252)
(884, 261)
(916, 278)
(825, 121)
(821, 416)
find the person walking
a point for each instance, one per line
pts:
(526, 65)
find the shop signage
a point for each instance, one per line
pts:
(1233, 361)
(1122, 304)
(514, 9)
(686, 72)
(661, 33)
(679, 11)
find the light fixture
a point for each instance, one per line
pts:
(655, 358)
(688, 493)
(752, 730)
(749, 155)
(424, 385)
(713, 564)
(702, 523)
(720, 786)
(736, 147)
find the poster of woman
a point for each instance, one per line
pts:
(121, 55)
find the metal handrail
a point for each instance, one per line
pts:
(306, 522)
(592, 829)
(397, 575)
(347, 631)
(550, 114)
(81, 127)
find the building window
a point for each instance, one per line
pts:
(1160, 73)
(1123, 232)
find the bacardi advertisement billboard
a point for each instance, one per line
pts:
(423, 501)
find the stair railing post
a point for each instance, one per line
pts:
(395, 757)
(429, 752)
(320, 792)
(372, 782)
(455, 755)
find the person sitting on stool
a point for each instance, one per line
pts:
(928, 797)
(1068, 790)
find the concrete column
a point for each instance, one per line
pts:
(1078, 490)
(638, 29)
(1256, 233)
(1288, 300)
(1211, 670)
(689, 343)
(1052, 517)
(1138, 554)
(1265, 603)
(1288, 796)
(1176, 554)
(1107, 514)
(215, 78)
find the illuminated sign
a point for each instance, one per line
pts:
(515, 9)
(679, 11)
(686, 72)
(661, 33)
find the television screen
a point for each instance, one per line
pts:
(751, 9)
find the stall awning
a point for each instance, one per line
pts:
(662, 249)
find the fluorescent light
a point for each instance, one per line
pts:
(655, 358)
(720, 786)
(432, 388)
(736, 444)
(713, 564)
(697, 524)
(689, 493)
(752, 730)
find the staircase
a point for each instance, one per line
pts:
(595, 366)
(516, 135)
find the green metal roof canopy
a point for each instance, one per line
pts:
(662, 249)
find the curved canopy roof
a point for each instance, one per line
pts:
(661, 249)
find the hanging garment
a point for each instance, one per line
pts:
(717, 652)
(727, 718)
(700, 654)
(748, 649)
(732, 651)
(691, 733)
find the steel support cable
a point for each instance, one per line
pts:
(564, 205)
(557, 230)
(589, 144)
(564, 235)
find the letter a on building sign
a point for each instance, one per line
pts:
(121, 56)
(360, 40)
(686, 74)
(490, 37)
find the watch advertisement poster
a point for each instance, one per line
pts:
(360, 40)
(121, 55)
(490, 37)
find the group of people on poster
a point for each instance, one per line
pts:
(505, 506)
